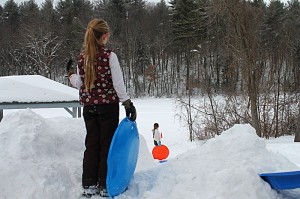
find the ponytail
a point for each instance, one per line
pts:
(89, 56)
(96, 28)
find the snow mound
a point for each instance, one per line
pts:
(39, 157)
(224, 167)
(42, 158)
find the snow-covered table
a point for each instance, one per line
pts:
(35, 91)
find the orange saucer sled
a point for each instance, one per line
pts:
(160, 152)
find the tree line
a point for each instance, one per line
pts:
(246, 51)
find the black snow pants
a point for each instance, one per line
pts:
(101, 122)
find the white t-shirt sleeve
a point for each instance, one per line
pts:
(117, 77)
(75, 80)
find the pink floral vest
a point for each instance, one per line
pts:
(103, 91)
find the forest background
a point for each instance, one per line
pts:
(230, 61)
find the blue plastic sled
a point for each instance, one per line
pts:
(282, 180)
(122, 157)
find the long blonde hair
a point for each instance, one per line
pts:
(94, 32)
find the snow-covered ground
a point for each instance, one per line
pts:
(41, 157)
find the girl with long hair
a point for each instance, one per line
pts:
(101, 88)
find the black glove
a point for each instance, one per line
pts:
(130, 110)
(70, 69)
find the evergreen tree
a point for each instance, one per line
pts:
(49, 17)
(9, 37)
(142, 55)
(186, 30)
(66, 12)
(136, 9)
(185, 17)
(114, 12)
(273, 25)
(159, 31)
(29, 13)
(1, 14)
(74, 16)
(292, 26)
(258, 3)
(11, 16)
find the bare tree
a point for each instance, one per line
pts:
(243, 40)
(40, 50)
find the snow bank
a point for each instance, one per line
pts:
(41, 158)
(225, 167)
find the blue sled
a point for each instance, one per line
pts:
(163, 161)
(122, 157)
(282, 180)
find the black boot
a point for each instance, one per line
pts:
(103, 192)
(89, 191)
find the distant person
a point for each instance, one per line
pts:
(156, 135)
(101, 88)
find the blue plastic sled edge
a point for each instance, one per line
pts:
(163, 161)
(122, 157)
(282, 180)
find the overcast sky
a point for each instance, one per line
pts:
(2, 2)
